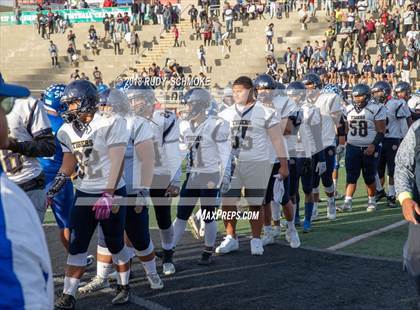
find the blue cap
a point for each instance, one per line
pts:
(10, 90)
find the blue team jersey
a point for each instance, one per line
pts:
(51, 165)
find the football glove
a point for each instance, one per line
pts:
(340, 149)
(143, 197)
(56, 186)
(225, 186)
(278, 190)
(102, 206)
(321, 167)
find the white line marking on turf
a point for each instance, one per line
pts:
(150, 305)
(366, 235)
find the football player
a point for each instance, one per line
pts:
(398, 119)
(329, 103)
(253, 126)
(365, 126)
(403, 91)
(26, 273)
(30, 136)
(63, 201)
(310, 158)
(268, 93)
(97, 144)
(139, 157)
(206, 144)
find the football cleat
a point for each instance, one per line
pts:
(292, 237)
(338, 196)
(65, 302)
(392, 202)
(256, 246)
(155, 281)
(97, 283)
(229, 244)
(167, 263)
(206, 259)
(195, 226)
(268, 238)
(379, 195)
(276, 232)
(331, 211)
(346, 207)
(122, 295)
(371, 207)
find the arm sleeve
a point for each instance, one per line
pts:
(42, 146)
(405, 163)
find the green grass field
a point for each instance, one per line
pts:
(347, 225)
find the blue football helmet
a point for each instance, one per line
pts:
(332, 89)
(102, 88)
(361, 90)
(264, 81)
(403, 87)
(114, 101)
(141, 97)
(52, 96)
(296, 91)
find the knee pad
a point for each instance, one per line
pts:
(77, 259)
(330, 189)
(122, 257)
(275, 211)
(150, 248)
(103, 250)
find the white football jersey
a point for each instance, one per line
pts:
(329, 104)
(397, 112)
(254, 121)
(91, 149)
(361, 123)
(306, 144)
(26, 121)
(140, 131)
(285, 108)
(166, 143)
(26, 265)
(207, 147)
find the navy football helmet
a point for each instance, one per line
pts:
(402, 90)
(264, 81)
(142, 99)
(194, 102)
(114, 101)
(361, 95)
(296, 91)
(52, 96)
(85, 95)
(312, 79)
(381, 90)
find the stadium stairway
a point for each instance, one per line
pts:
(25, 58)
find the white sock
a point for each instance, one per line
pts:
(391, 190)
(330, 199)
(348, 199)
(210, 234)
(371, 200)
(131, 251)
(335, 184)
(70, 286)
(291, 224)
(378, 183)
(103, 270)
(123, 277)
(315, 205)
(267, 229)
(149, 266)
(179, 228)
(166, 237)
